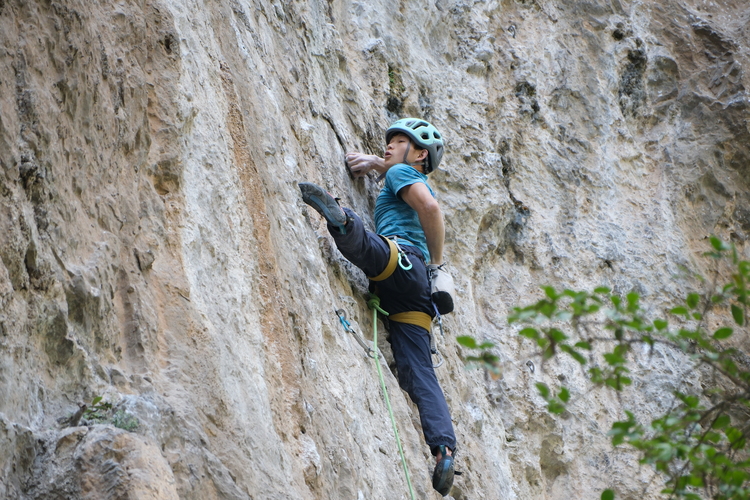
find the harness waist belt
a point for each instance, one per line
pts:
(413, 318)
(392, 262)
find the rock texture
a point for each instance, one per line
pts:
(155, 251)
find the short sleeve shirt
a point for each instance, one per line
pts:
(393, 216)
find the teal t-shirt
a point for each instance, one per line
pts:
(393, 216)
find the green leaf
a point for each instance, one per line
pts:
(467, 341)
(583, 345)
(692, 300)
(697, 316)
(689, 334)
(96, 400)
(602, 290)
(713, 437)
(660, 324)
(735, 437)
(593, 308)
(564, 395)
(608, 495)
(695, 481)
(723, 333)
(721, 422)
(550, 292)
(547, 309)
(555, 407)
(680, 311)
(690, 401)
(529, 332)
(718, 244)
(543, 389)
(575, 354)
(613, 359)
(556, 335)
(738, 315)
(633, 301)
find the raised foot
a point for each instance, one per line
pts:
(323, 203)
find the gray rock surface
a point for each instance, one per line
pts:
(155, 251)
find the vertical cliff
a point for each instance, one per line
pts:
(155, 251)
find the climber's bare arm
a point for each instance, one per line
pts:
(360, 164)
(418, 197)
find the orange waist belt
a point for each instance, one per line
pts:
(413, 318)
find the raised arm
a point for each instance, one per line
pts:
(418, 197)
(360, 164)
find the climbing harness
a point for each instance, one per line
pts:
(369, 350)
(396, 257)
(374, 304)
(392, 262)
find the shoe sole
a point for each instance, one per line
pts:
(442, 478)
(323, 203)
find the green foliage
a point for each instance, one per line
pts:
(700, 444)
(98, 410)
(485, 359)
(125, 421)
(103, 412)
(555, 402)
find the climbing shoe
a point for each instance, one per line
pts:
(442, 477)
(325, 204)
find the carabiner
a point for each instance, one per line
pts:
(401, 264)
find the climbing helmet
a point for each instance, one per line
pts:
(424, 135)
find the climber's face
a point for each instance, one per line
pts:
(399, 145)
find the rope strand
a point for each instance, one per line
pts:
(374, 304)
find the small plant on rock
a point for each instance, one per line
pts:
(102, 412)
(98, 411)
(125, 421)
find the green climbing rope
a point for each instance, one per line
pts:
(374, 304)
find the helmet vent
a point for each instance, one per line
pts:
(425, 136)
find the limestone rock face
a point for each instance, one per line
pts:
(154, 250)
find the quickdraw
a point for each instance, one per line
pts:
(433, 343)
(373, 352)
(369, 350)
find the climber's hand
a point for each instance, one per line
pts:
(360, 164)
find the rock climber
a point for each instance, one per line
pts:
(408, 221)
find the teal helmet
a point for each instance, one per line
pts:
(424, 135)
